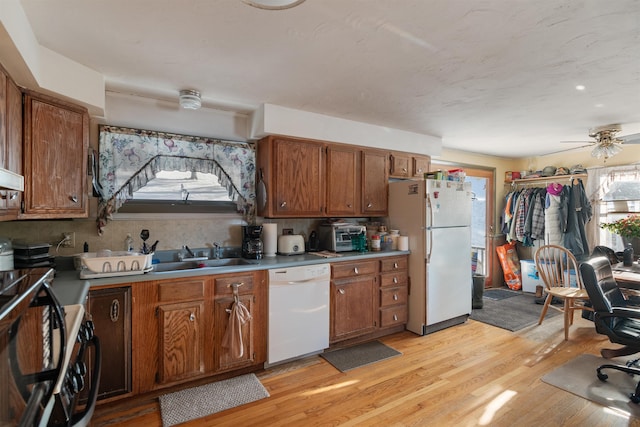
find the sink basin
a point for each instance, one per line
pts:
(192, 265)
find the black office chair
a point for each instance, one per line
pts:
(613, 316)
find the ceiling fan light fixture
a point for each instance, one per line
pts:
(190, 99)
(606, 150)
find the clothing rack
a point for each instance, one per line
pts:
(536, 182)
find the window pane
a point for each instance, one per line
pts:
(177, 185)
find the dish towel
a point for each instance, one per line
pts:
(232, 339)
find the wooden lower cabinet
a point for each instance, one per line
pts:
(353, 299)
(110, 310)
(180, 323)
(368, 298)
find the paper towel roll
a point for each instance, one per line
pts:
(403, 243)
(270, 239)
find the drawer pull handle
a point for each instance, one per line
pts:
(355, 270)
(395, 317)
(395, 297)
(395, 280)
(341, 291)
(192, 317)
(395, 265)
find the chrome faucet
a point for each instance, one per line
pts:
(217, 250)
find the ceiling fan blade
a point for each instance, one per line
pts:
(630, 139)
(577, 142)
(572, 148)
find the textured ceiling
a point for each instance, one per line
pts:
(488, 76)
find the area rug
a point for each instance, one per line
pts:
(499, 294)
(359, 355)
(513, 314)
(198, 402)
(578, 376)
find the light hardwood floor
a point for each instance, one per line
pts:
(468, 375)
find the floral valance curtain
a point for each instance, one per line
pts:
(129, 158)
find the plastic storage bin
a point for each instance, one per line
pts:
(530, 276)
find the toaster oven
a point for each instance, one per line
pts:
(338, 237)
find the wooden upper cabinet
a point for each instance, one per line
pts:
(293, 171)
(56, 141)
(375, 183)
(421, 165)
(399, 164)
(343, 184)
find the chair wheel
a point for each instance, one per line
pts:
(634, 398)
(602, 377)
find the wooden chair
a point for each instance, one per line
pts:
(557, 268)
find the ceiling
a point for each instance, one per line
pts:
(489, 76)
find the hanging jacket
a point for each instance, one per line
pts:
(579, 213)
(555, 214)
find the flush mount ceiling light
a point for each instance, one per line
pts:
(190, 99)
(273, 4)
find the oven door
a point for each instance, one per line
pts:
(30, 319)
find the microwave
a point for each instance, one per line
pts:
(338, 237)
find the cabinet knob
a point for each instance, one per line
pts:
(10, 196)
(404, 169)
(341, 291)
(395, 317)
(283, 204)
(395, 297)
(369, 205)
(420, 170)
(355, 270)
(395, 265)
(395, 280)
(349, 205)
(192, 317)
(74, 199)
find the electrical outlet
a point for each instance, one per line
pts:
(69, 239)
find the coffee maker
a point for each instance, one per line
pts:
(251, 243)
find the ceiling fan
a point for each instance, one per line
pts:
(607, 144)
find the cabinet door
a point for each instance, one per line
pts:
(399, 167)
(375, 183)
(299, 178)
(110, 310)
(421, 165)
(342, 181)
(181, 341)
(353, 307)
(55, 159)
(243, 337)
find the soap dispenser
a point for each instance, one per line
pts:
(128, 243)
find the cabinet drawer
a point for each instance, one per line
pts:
(339, 271)
(393, 279)
(393, 296)
(181, 290)
(224, 288)
(393, 264)
(393, 316)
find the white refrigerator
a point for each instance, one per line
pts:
(436, 215)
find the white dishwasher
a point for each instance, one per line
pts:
(298, 311)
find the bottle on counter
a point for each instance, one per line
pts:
(128, 243)
(375, 242)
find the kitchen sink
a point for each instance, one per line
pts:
(192, 265)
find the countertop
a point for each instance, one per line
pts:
(70, 289)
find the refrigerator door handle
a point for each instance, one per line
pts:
(429, 225)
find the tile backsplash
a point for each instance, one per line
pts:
(172, 233)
